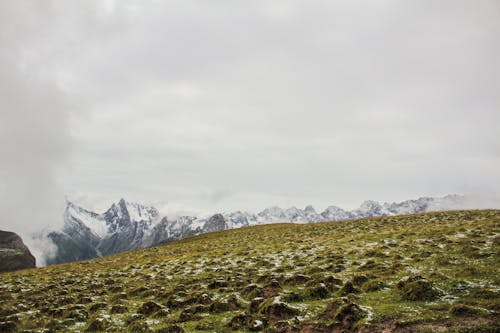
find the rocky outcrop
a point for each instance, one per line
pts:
(74, 242)
(215, 223)
(14, 255)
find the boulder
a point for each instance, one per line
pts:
(14, 255)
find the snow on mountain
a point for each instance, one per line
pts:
(272, 214)
(371, 208)
(311, 215)
(334, 213)
(86, 234)
(95, 222)
(240, 219)
(123, 214)
(127, 225)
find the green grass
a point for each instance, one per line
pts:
(426, 272)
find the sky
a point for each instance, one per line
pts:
(207, 106)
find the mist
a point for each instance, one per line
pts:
(35, 141)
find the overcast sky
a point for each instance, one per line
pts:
(224, 105)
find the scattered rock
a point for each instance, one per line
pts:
(257, 325)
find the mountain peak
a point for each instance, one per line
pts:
(370, 203)
(122, 203)
(310, 208)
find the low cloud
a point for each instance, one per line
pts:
(35, 139)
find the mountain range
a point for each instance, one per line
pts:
(127, 225)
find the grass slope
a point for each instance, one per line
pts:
(422, 273)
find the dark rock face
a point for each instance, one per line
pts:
(215, 223)
(171, 230)
(128, 238)
(14, 255)
(75, 242)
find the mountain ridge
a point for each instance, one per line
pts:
(128, 225)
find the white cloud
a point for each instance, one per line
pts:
(288, 103)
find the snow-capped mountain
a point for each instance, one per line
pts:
(122, 215)
(87, 234)
(334, 213)
(126, 225)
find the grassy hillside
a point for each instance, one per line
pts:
(422, 273)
